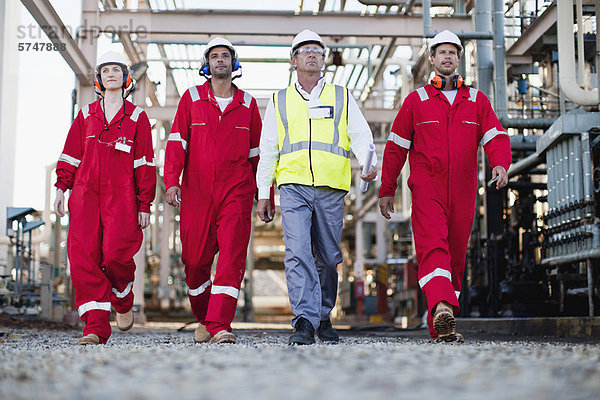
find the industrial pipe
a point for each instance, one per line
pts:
(499, 58)
(566, 58)
(524, 165)
(586, 163)
(428, 33)
(551, 193)
(578, 177)
(591, 254)
(525, 123)
(580, 50)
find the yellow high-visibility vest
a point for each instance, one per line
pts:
(313, 151)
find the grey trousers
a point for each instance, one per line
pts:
(312, 220)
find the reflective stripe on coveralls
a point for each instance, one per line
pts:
(93, 305)
(254, 152)
(125, 292)
(399, 141)
(228, 290)
(70, 160)
(200, 289)
(142, 161)
(176, 137)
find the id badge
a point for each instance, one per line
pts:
(320, 112)
(123, 147)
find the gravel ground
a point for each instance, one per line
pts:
(151, 363)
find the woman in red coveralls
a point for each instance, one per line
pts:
(108, 163)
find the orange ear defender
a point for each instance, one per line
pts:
(127, 83)
(439, 82)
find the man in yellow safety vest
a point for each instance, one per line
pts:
(308, 132)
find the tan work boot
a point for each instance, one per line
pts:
(443, 322)
(201, 335)
(89, 339)
(125, 321)
(223, 337)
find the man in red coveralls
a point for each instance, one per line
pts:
(108, 163)
(215, 142)
(440, 127)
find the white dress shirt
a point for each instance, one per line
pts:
(358, 131)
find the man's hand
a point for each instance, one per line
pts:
(59, 203)
(371, 175)
(502, 177)
(386, 204)
(264, 210)
(143, 219)
(173, 195)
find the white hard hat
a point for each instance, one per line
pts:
(446, 37)
(306, 36)
(216, 42)
(110, 57)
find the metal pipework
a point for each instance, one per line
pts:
(525, 123)
(590, 287)
(566, 58)
(524, 165)
(565, 188)
(580, 51)
(555, 181)
(578, 177)
(571, 178)
(428, 33)
(586, 163)
(551, 185)
(561, 181)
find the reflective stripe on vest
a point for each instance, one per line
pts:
(301, 142)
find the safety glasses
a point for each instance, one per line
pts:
(318, 51)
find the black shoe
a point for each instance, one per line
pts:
(304, 333)
(326, 332)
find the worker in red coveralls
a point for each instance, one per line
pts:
(440, 127)
(214, 140)
(108, 163)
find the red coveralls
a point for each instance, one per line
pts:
(443, 142)
(218, 154)
(109, 188)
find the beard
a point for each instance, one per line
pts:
(222, 73)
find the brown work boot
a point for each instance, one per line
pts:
(125, 321)
(201, 335)
(456, 337)
(89, 339)
(443, 322)
(223, 337)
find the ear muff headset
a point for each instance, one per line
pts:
(439, 82)
(205, 68)
(127, 86)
